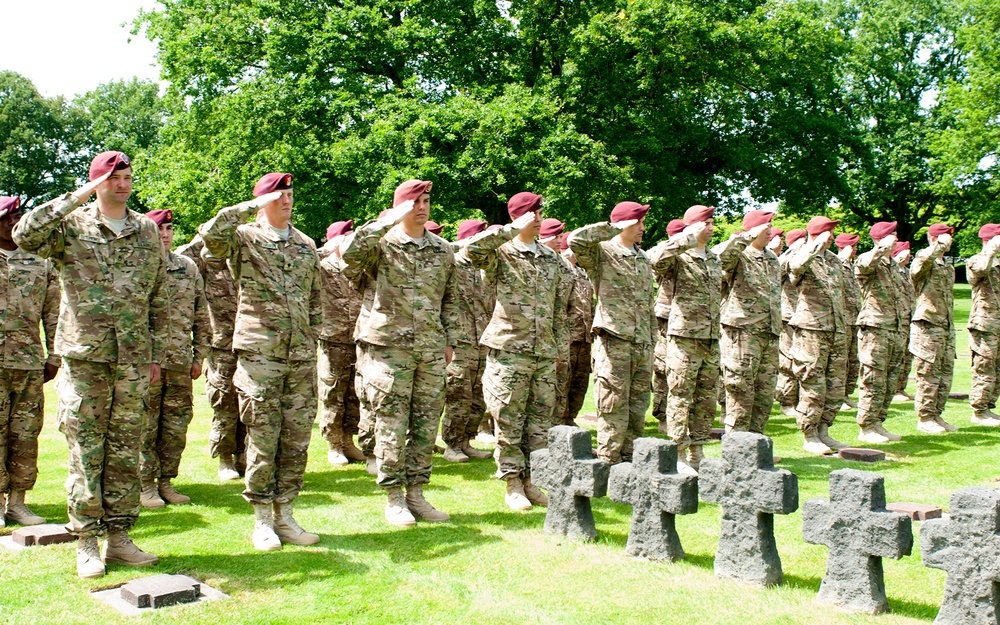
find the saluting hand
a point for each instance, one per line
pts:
(83, 193)
(754, 232)
(397, 213)
(621, 225)
(696, 228)
(264, 200)
(523, 221)
(845, 253)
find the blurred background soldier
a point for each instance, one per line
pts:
(984, 326)
(848, 245)
(902, 255)
(581, 319)
(550, 234)
(664, 295)
(787, 387)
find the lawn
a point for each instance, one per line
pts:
(489, 564)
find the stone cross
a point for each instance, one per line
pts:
(750, 491)
(568, 470)
(967, 546)
(859, 531)
(656, 492)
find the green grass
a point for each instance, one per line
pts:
(488, 565)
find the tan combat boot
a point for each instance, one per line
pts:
(682, 461)
(662, 427)
(515, 497)
(88, 558)
(371, 465)
(533, 493)
(120, 549)
(227, 469)
(150, 497)
(336, 457)
(945, 424)
(396, 511)
(454, 455)
(472, 452)
(420, 507)
(351, 450)
(19, 513)
(985, 417)
(695, 456)
(813, 443)
(288, 530)
(886, 433)
(169, 494)
(264, 538)
(869, 434)
(829, 441)
(930, 426)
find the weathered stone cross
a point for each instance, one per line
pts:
(572, 476)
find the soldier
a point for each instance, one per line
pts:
(819, 352)
(901, 255)
(464, 403)
(550, 234)
(880, 338)
(581, 319)
(848, 245)
(664, 295)
(168, 408)
(624, 325)
(984, 326)
(112, 321)
(278, 312)
(524, 336)
(337, 352)
(406, 339)
(787, 386)
(29, 290)
(751, 325)
(693, 348)
(932, 334)
(775, 244)
(434, 228)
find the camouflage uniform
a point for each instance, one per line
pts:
(984, 330)
(751, 324)
(787, 386)
(112, 319)
(413, 317)
(338, 354)
(565, 349)
(364, 283)
(524, 334)
(29, 299)
(625, 325)
(852, 306)
(932, 334)
(907, 299)
(278, 312)
(880, 338)
(693, 359)
(168, 408)
(573, 387)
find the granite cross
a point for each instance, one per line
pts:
(568, 470)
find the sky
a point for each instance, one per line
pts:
(68, 47)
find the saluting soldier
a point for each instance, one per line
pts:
(847, 243)
(984, 326)
(787, 386)
(581, 320)
(664, 295)
(901, 255)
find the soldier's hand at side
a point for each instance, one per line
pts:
(50, 372)
(523, 221)
(83, 193)
(265, 199)
(845, 253)
(449, 353)
(196, 370)
(396, 214)
(154, 373)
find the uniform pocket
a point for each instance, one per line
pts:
(872, 350)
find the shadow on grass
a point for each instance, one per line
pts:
(256, 571)
(913, 609)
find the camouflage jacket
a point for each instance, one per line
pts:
(415, 298)
(29, 299)
(113, 306)
(220, 292)
(188, 330)
(695, 311)
(531, 294)
(789, 291)
(581, 308)
(473, 297)
(933, 282)
(341, 302)
(881, 287)
(753, 301)
(984, 277)
(820, 304)
(623, 283)
(278, 309)
(852, 294)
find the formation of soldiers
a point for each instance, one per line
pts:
(498, 332)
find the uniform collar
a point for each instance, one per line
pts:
(398, 237)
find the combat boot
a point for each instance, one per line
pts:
(985, 417)
(371, 465)
(227, 470)
(472, 452)
(829, 441)
(88, 558)
(945, 424)
(813, 444)
(351, 450)
(849, 404)
(169, 494)
(288, 530)
(264, 538)
(515, 497)
(533, 493)
(336, 457)
(454, 455)
(930, 426)
(695, 456)
(120, 549)
(396, 511)
(420, 507)
(19, 513)
(886, 433)
(150, 497)
(682, 462)
(662, 427)
(788, 411)
(869, 434)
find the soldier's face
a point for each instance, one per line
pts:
(421, 211)
(279, 211)
(167, 236)
(706, 234)
(117, 188)
(554, 244)
(7, 223)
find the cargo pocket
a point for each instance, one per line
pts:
(872, 351)
(498, 386)
(922, 343)
(68, 408)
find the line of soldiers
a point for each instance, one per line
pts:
(502, 328)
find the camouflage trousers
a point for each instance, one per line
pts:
(853, 364)
(787, 385)
(405, 390)
(165, 425)
(278, 407)
(573, 383)
(880, 351)
(341, 413)
(366, 418)
(749, 372)
(985, 348)
(228, 435)
(22, 404)
(660, 386)
(933, 349)
(693, 376)
(623, 372)
(100, 412)
(907, 365)
(464, 405)
(520, 392)
(820, 365)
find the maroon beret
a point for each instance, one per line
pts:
(470, 228)
(161, 217)
(846, 239)
(564, 240)
(900, 246)
(410, 190)
(756, 218)
(988, 231)
(624, 211)
(938, 229)
(776, 232)
(338, 228)
(9, 205)
(675, 226)
(820, 224)
(882, 229)
(698, 213)
(551, 227)
(793, 236)
(274, 181)
(107, 162)
(523, 203)
(433, 227)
